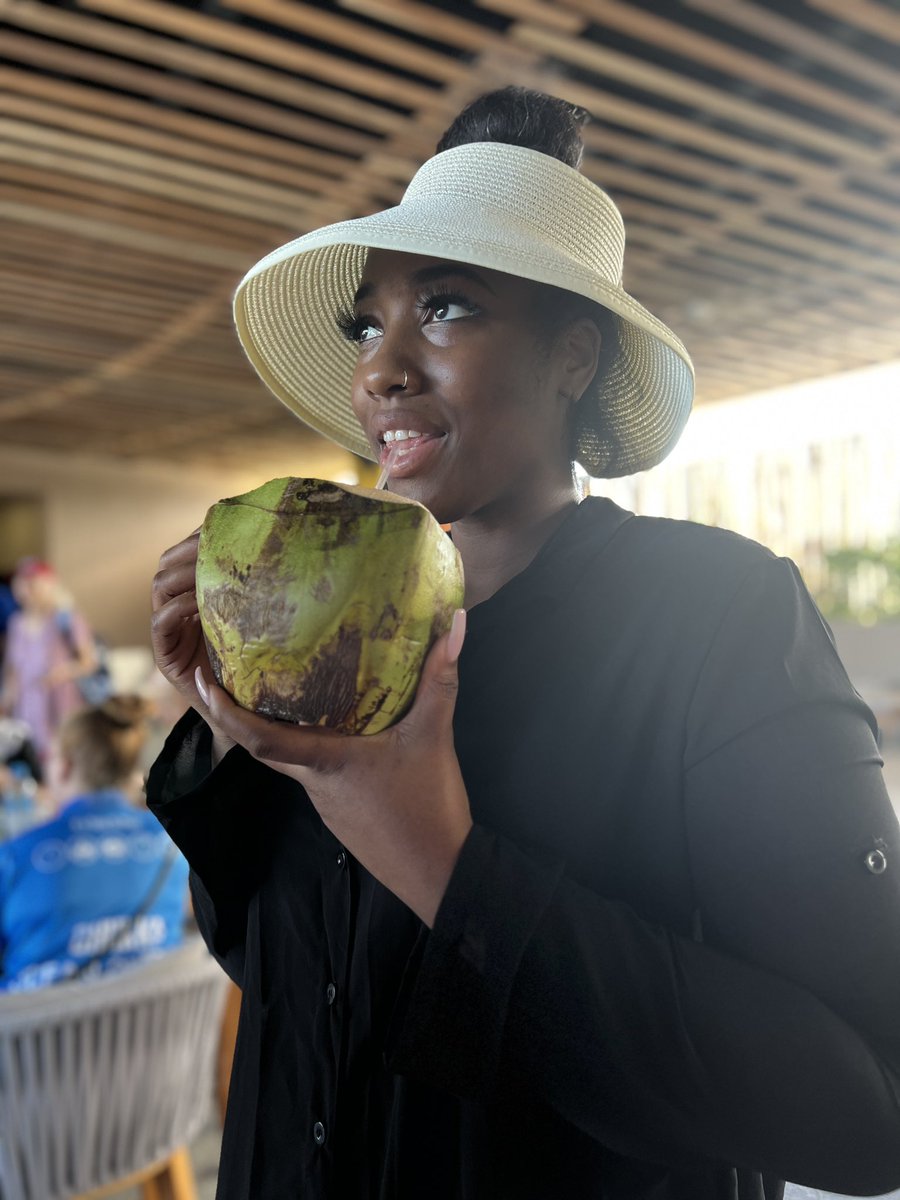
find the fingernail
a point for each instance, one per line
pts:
(457, 634)
(201, 686)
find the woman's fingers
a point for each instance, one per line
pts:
(175, 632)
(175, 619)
(183, 551)
(177, 571)
(180, 578)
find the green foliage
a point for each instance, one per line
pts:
(862, 584)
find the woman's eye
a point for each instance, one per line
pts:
(365, 332)
(356, 329)
(448, 308)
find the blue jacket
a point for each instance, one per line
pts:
(67, 886)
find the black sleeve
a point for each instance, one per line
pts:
(208, 813)
(774, 1042)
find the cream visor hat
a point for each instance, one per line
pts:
(492, 205)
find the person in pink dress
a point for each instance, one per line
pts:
(49, 647)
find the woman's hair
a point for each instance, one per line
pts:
(104, 743)
(518, 116)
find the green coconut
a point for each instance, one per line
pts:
(319, 601)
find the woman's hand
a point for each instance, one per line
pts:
(395, 799)
(175, 632)
(64, 672)
(178, 645)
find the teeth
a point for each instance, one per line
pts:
(400, 435)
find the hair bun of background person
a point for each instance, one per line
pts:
(103, 743)
(126, 710)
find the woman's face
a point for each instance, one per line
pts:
(35, 593)
(481, 425)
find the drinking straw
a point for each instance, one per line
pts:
(393, 455)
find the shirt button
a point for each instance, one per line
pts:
(876, 862)
(330, 993)
(318, 1133)
(341, 858)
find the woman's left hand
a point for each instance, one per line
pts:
(395, 799)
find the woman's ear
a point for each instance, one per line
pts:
(60, 770)
(579, 351)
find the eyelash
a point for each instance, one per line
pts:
(350, 325)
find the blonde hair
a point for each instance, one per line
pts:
(104, 743)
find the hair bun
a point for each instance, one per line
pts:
(518, 116)
(125, 711)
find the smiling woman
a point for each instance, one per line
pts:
(457, 357)
(611, 911)
(499, 205)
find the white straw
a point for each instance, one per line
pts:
(381, 482)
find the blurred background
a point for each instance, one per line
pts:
(152, 150)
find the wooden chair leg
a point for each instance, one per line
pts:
(170, 1180)
(230, 1017)
(179, 1175)
(152, 1188)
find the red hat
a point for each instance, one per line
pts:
(31, 568)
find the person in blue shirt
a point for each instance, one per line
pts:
(99, 886)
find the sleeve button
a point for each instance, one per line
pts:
(330, 993)
(318, 1133)
(876, 862)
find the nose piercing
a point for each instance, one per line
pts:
(405, 380)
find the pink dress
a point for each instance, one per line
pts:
(33, 650)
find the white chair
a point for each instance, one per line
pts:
(794, 1191)
(104, 1082)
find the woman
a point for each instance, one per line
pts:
(614, 920)
(49, 648)
(98, 886)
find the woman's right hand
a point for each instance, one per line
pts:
(178, 645)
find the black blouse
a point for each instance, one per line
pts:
(667, 966)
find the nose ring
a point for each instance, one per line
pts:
(405, 380)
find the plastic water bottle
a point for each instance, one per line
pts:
(17, 807)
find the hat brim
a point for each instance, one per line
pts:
(286, 312)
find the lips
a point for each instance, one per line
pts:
(406, 440)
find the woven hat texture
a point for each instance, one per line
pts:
(488, 204)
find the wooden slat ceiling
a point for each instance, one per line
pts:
(151, 150)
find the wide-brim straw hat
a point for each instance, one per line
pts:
(492, 205)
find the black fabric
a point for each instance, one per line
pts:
(662, 969)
